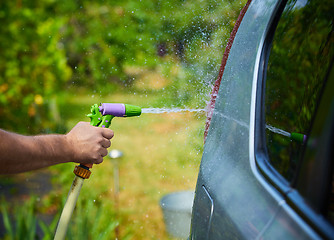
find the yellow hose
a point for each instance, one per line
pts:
(68, 208)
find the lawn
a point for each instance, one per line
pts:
(161, 155)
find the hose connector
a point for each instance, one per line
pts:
(82, 171)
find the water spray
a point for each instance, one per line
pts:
(100, 116)
(171, 110)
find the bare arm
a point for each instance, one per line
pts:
(83, 144)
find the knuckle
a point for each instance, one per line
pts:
(95, 157)
(96, 148)
(99, 139)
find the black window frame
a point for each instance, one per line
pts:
(261, 154)
(288, 189)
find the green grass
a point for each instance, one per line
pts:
(161, 155)
(91, 220)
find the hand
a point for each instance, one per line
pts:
(89, 144)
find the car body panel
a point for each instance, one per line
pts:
(226, 169)
(233, 200)
(288, 225)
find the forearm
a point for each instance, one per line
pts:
(20, 153)
(84, 144)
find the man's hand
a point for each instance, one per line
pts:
(84, 144)
(89, 144)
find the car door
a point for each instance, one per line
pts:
(233, 201)
(254, 180)
(294, 108)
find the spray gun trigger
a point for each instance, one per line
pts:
(95, 115)
(106, 121)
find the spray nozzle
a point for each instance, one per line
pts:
(119, 110)
(102, 115)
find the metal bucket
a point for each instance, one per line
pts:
(176, 208)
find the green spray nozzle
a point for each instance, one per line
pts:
(132, 111)
(102, 115)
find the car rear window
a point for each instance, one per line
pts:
(301, 52)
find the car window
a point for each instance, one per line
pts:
(299, 59)
(315, 174)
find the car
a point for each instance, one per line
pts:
(267, 165)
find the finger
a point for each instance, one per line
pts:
(107, 133)
(105, 143)
(89, 165)
(104, 152)
(99, 160)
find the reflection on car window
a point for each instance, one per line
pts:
(299, 60)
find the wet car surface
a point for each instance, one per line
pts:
(267, 168)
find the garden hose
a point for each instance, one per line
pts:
(100, 116)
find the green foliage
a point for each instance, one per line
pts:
(32, 64)
(92, 220)
(25, 221)
(22, 223)
(49, 45)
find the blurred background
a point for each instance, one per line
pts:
(57, 58)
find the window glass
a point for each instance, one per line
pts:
(299, 60)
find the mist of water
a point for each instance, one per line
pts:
(170, 110)
(179, 110)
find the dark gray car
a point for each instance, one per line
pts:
(267, 166)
